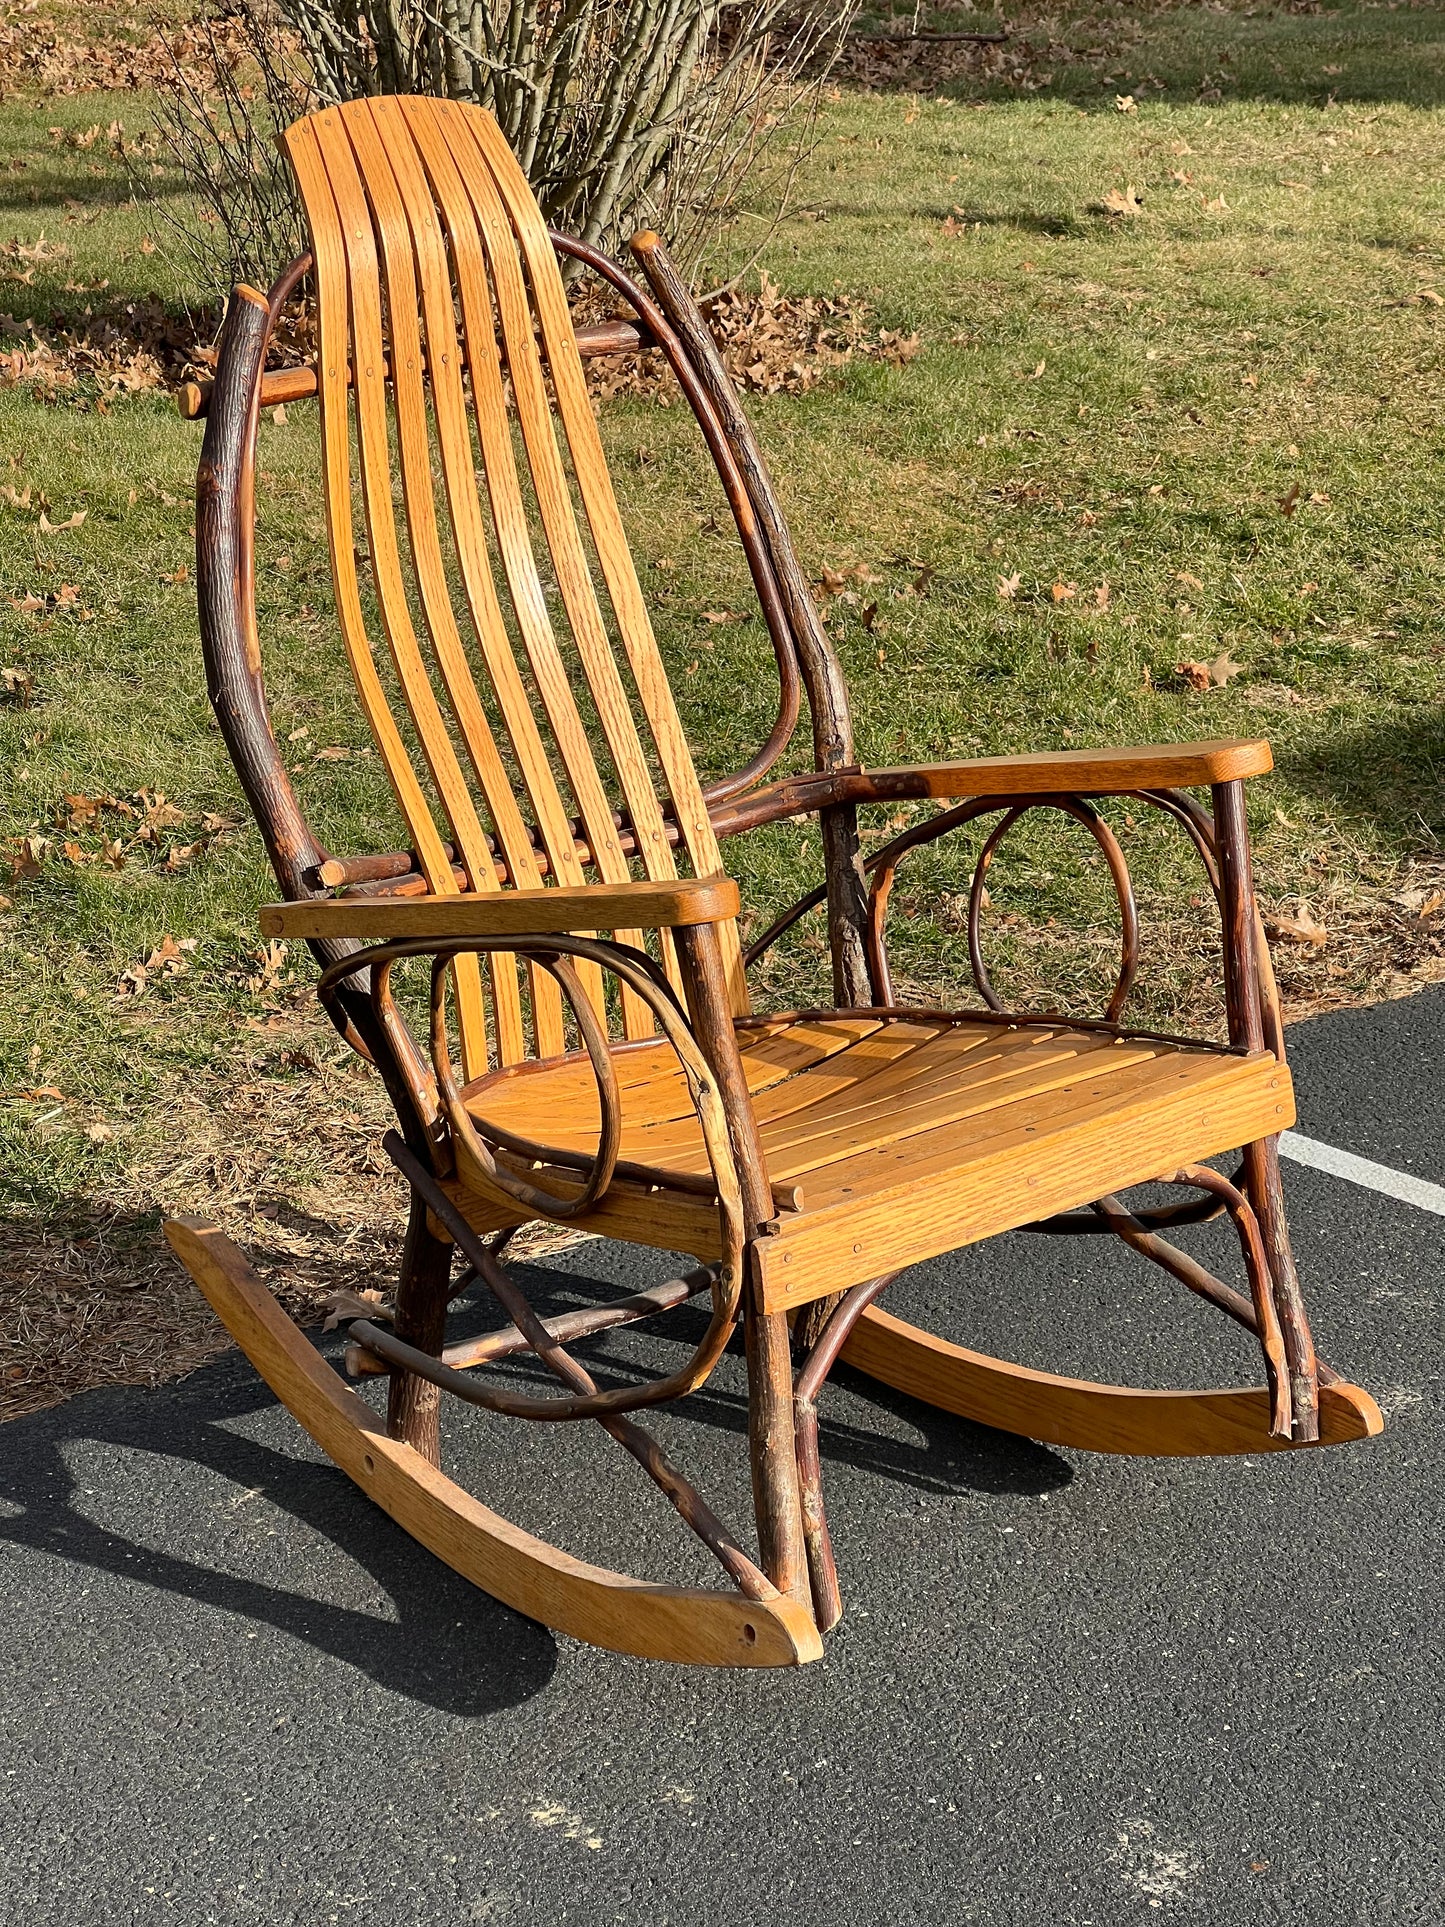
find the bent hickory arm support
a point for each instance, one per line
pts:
(511, 1189)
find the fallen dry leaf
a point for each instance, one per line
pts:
(1303, 927)
(1125, 104)
(1189, 581)
(47, 527)
(343, 1306)
(159, 814)
(1120, 202)
(1209, 675)
(272, 959)
(1289, 503)
(1009, 586)
(169, 956)
(16, 686)
(25, 856)
(1064, 591)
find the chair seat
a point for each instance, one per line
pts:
(891, 1136)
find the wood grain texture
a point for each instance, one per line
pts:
(1089, 771)
(776, 1498)
(910, 1200)
(532, 307)
(608, 1609)
(419, 213)
(508, 913)
(1074, 772)
(334, 264)
(1079, 1412)
(911, 1134)
(618, 336)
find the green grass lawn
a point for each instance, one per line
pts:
(1093, 455)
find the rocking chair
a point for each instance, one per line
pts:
(622, 1084)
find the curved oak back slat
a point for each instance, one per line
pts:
(453, 403)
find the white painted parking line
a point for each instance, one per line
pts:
(1375, 1177)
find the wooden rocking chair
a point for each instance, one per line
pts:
(621, 1083)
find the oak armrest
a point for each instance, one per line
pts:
(1098, 772)
(1063, 772)
(509, 913)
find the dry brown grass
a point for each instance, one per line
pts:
(293, 1171)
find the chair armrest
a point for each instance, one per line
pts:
(1063, 772)
(509, 913)
(1098, 772)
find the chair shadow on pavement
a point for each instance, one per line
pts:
(956, 1454)
(507, 1658)
(498, 1658)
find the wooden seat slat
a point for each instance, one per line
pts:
(977, 1167)
(913, 1101)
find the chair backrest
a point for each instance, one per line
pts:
(448, 365)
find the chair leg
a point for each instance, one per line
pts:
(822, 1356)
(413, 1407)
(1265, 1190)
(771, 1448)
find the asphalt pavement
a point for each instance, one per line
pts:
(1068, 1689)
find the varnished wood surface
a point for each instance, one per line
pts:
(418, 211)
(1073, 772)
(280, 385)
(508, 913)
(909, 1134)
(1086, 771)
(913, 1199)
(587, 1602)
(1079, 1412)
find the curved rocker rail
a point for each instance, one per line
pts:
(694, 1626)
(1085, 1413)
